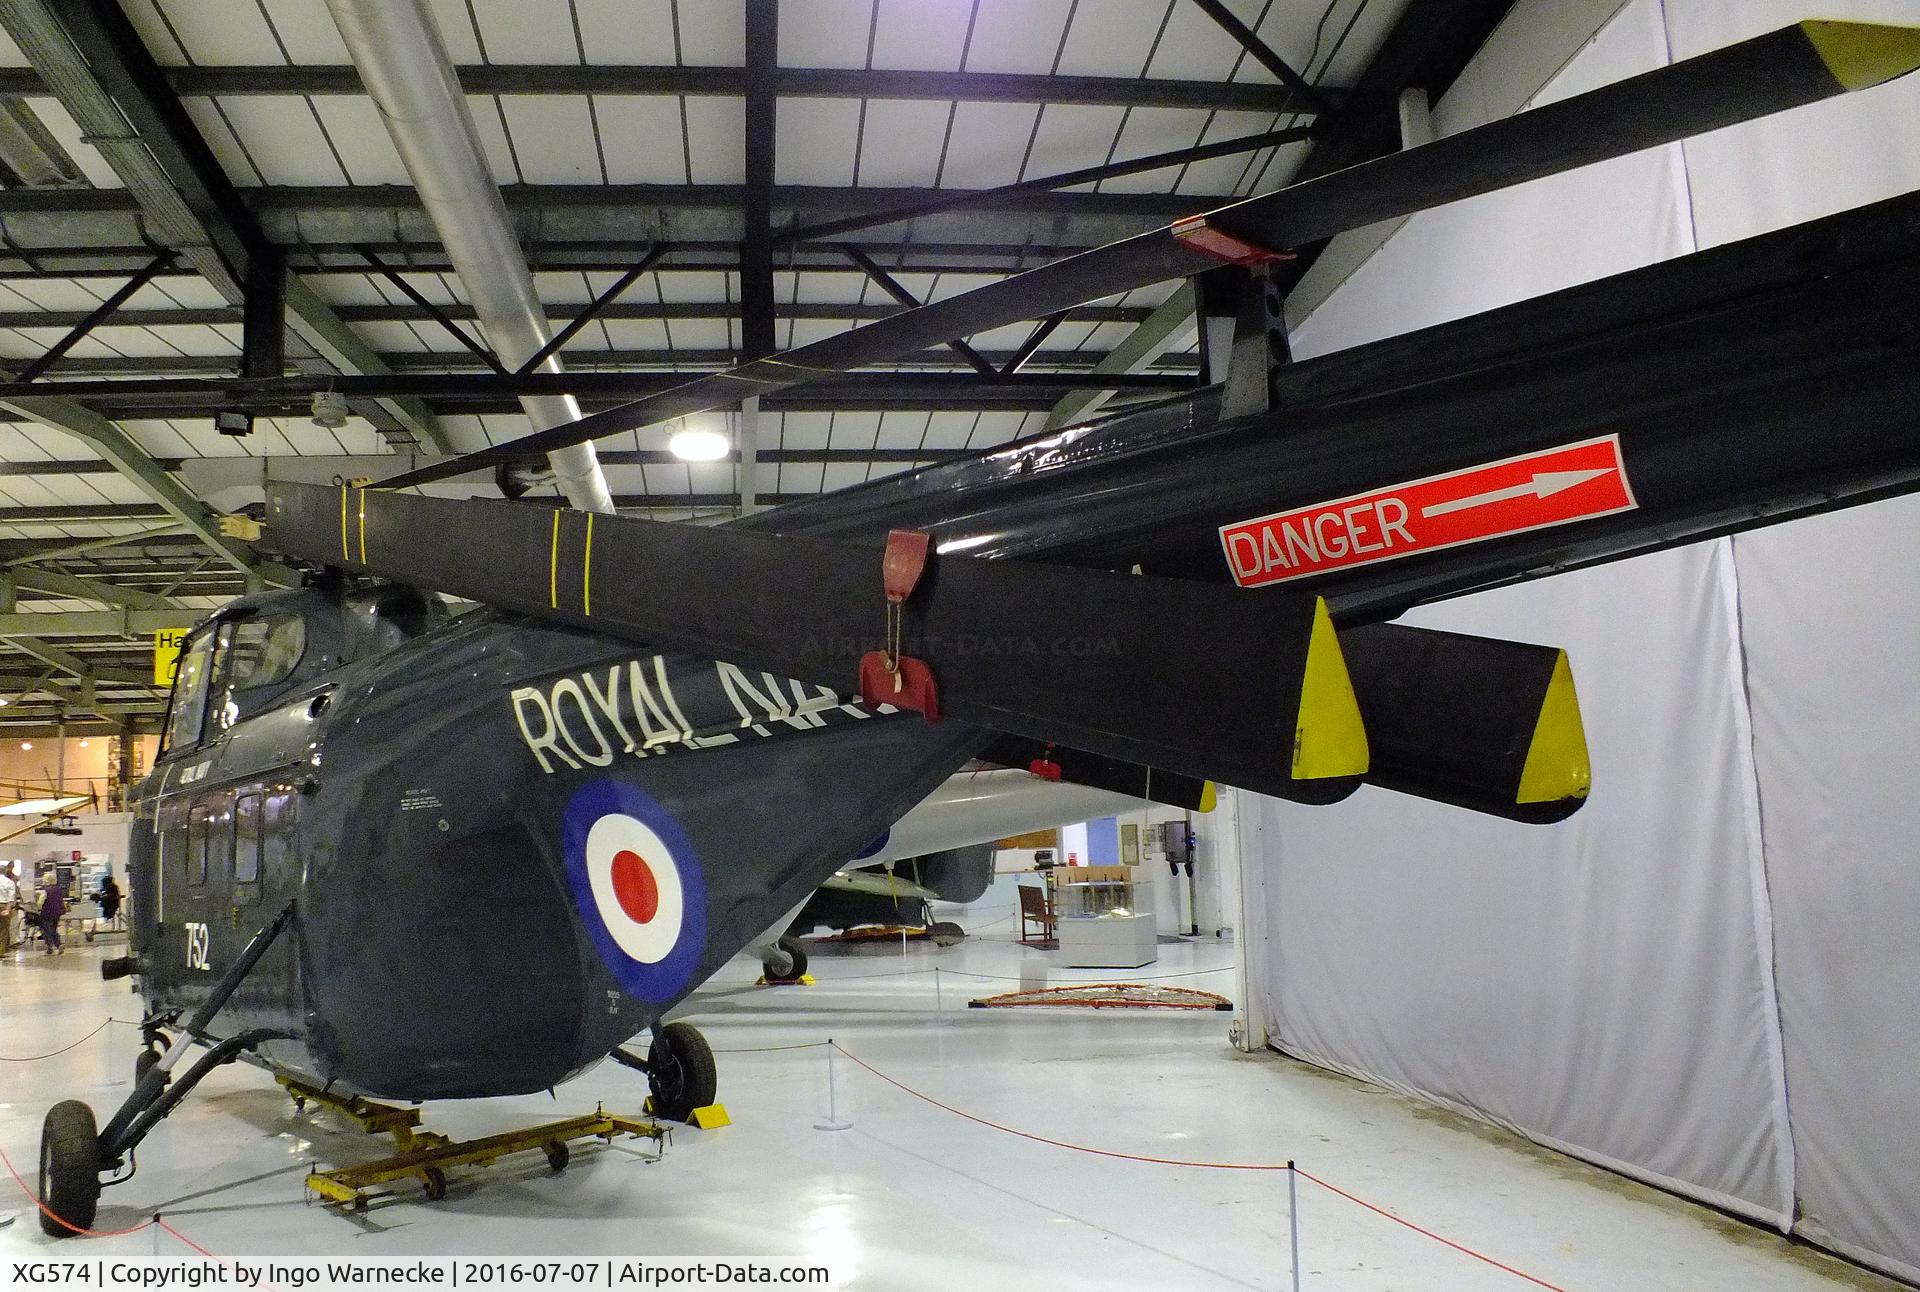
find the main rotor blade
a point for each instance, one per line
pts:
(1781, 70)
(1201, 680)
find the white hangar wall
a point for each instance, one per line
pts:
(1708, 977)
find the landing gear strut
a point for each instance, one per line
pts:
(681, 1074)
(73, 1154)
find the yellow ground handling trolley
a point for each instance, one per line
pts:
(426, 1155)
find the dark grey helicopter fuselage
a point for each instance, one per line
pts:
(509, 846)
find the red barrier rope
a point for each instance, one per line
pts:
(1042, 1139)
(1210, 1166)
(61, 1220)
(35, 1058)
(1381, 1211)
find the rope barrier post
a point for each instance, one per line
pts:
(937, 1005)
(1293, 1220)
(833, 1122)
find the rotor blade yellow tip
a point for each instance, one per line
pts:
(1864, 54)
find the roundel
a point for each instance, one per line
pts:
(639, 888)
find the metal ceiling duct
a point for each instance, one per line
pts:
(403, 62)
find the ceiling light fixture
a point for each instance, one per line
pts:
(695, 445)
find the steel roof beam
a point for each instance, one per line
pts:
(1302, 96)
(96, 623)
(1156, 334)
(617, 310)
(95, 63)
(725, 82)
(57, 583)
(119, 448)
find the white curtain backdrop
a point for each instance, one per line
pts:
(1708, 977)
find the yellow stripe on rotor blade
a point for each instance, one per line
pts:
(345, 555)
(1557, 767)
(1864, 54)
(586, 571)
(1209, 797)
(1329, 738)
(553, 565)
(363, 526)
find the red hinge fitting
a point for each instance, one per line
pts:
(1195, 232)
(887, 676)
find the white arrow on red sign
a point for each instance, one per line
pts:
(1557, 486)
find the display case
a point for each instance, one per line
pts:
(1106, 917)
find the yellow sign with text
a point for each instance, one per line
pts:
(166, 655)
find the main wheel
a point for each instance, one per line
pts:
(788, 961)
(434, 1181)
(143, 1063)
(558, 1155)
(945, 933)
(69, 1168)
(681, 1073)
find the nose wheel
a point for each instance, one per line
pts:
(69, 1169)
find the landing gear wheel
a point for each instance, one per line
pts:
(680, 1071)
(787, 963)
(69, 1169)
(558, 1155)
(945, 933)
(144, 1062)
(434, 1181)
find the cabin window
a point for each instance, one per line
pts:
(276, 833)
(263, 651)
(186, 713)
(220, 840)
(200, 825)
(246, 840)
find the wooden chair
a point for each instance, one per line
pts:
(1035, 909)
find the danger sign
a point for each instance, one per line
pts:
(1553, 487)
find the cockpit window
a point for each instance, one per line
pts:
(186, 714)
(263, 651)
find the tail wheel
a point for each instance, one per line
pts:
(792, 961)
(69, 1169)
(680, 1071)
(434, 1181)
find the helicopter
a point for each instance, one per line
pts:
(649, 743)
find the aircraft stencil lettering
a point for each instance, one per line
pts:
(1582, 481)
(650, 705)
(197, 947)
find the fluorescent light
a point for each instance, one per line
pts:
(696, 445)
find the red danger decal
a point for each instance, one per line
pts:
(1553, 487)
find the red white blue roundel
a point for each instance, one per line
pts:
(638, 887)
